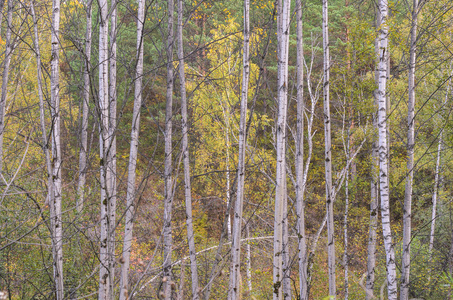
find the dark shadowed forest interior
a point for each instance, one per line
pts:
(202, 149)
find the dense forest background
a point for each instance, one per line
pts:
(84, 83)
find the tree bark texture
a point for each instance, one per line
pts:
(104, 271)
(234, 289)
(384, 189)
(283, 19)
(55, 206)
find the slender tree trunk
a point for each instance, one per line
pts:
(283, 19)
(300, 203)
(8, 52)
(55, 206)
(435, 195)
(104, 272)
(84, 124)
(383, 152)
(132, 166)
(168, 205)
(328, 152)
(374, 193)
(407, 211)
(234, 289)
(186, 158)
(345, 222)
(111, 152)
(2, 4)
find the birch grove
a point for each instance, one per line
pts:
(180, 150)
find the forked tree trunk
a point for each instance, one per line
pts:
(328, 153)
(132, 166)
(300, 203)
(168, 204)
(283, 18)
(84, 122)
(383, 153)
(6, 62)
(104, 271)
(186, 158)
(235, 289)
(55, 206)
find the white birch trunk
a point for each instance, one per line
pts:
(168, 204)
(407, 210)
(234, 290)
(111, 152)
(300, 203)
(283, 19)
(186, 159)
(328, 153)
(132, 166)
(383, 152)
(84, 122)
(55, 206)
(8, 52)
(104, 272)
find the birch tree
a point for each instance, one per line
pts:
(132, 165)
(300, 202)
(168, 197)
(283, 19)
(55, 205)
(185, 153)
(328, 152)
(234, 289)
(84, 122)
(111, 152)
(384, 189)
(103, 101)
